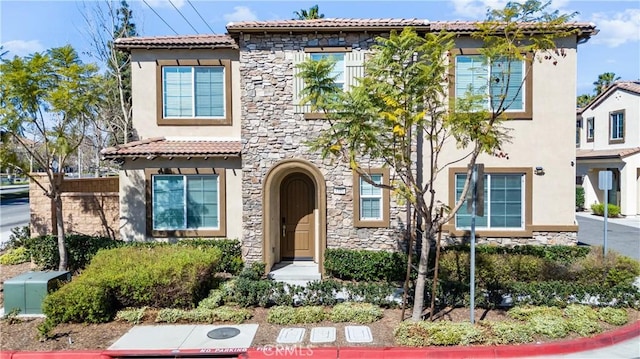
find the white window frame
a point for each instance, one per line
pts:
(591, 125)
(487, 105)
(193, 93)
(184, 203)
(616, 120)
(379, 196)
(487, 198)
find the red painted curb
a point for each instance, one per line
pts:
(298, 351)
(291, 351)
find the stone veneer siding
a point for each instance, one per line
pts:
(272, 132)
(538, 238)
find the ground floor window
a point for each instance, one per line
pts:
(504, 202)
(182, 202)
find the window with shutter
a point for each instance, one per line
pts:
(348, 68)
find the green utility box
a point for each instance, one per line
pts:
(27, 290)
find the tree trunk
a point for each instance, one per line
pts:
(418, 303)
(57, 199)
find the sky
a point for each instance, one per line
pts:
(28, 26)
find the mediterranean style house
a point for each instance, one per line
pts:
(608, 139)
(222, 144)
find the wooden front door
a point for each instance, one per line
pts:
(297, 227)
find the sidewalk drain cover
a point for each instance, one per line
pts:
(223, 333)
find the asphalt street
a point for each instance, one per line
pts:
(624, 239)
(13, 213)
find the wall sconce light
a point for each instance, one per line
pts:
(539, 171)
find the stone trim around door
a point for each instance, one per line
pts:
(271, 209)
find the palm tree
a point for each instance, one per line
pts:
(313, 13)
(604, 81)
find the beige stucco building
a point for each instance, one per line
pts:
(608, 139)
(222, 148)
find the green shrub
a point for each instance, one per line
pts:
(374, 293)
(318, 292)
(560, 293)
(355, 312)
(559, 253)
(80, 301)
(231, 260)
(422, 334)
(254, 271)
(159, 277)
(289, 315)
(579, 198)
(131, 315)
(582, 319)
(527, 312)
(612, 210)
(264, 293)
(282, 314)
(230, 314)
(610, 270)
(549, 325)
(18, 237)
(365, 265)
(15, 256)
(199, 315)
(80, 249)
(508, 332)
(214, 300)
(614, 316)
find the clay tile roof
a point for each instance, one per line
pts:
(630, 86)
(605, 154)
(162, 147)
(325, 24)
(179, 41)
(469, 26)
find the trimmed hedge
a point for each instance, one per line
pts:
(364, 265)
(159, 277)
(82, 248)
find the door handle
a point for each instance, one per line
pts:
(284, 228)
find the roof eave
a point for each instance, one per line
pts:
(306, 29)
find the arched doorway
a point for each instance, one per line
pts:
(294, 213)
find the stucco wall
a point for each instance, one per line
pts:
(616, 101)
(547, 141)
(133, 214)
(145, 104)
(89, 205)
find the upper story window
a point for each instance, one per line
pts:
(616, 127)
(338, 68)
(194, 92)
(578, 131)
(590, 129)
(501, 83)
(348, 67)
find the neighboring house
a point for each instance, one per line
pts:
(608, 139)
(231, 160)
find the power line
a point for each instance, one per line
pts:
(158, 15)
(185, 19)
(201, 18)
